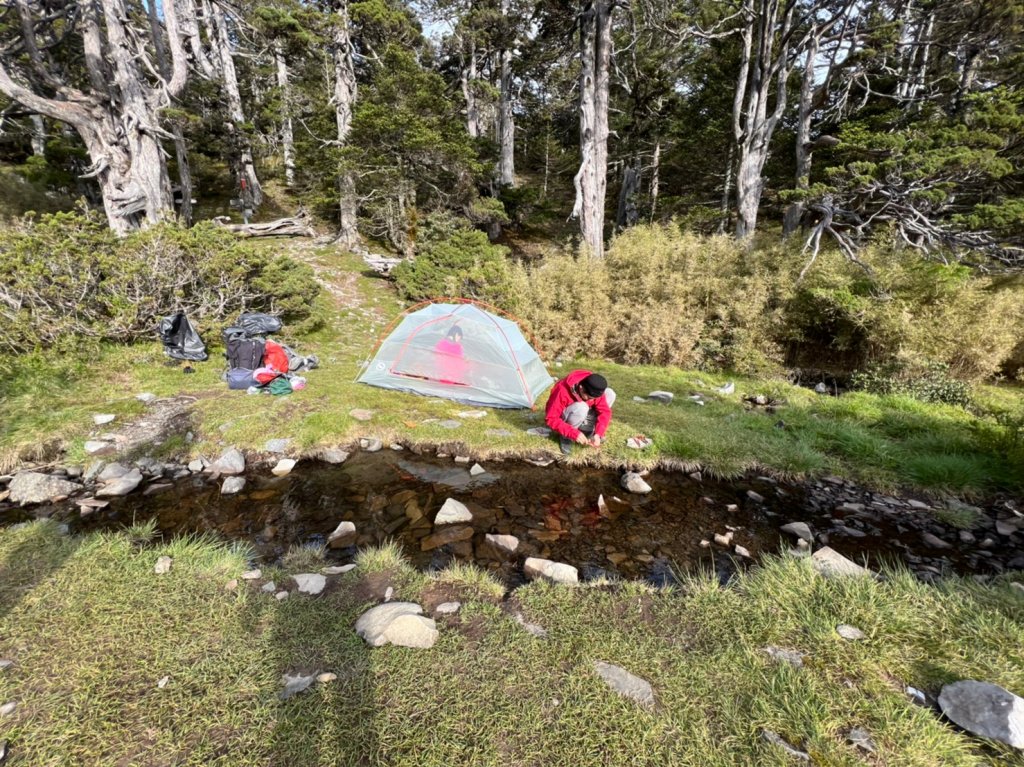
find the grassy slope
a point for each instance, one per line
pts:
(92, 630)
(887, 442)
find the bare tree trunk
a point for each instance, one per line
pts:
(803, 135)
(287, 137)
(469, 76)
(506, 124)
(627, 215)
(251, 188)
(655, 179)
(345, 91)
(38, 136)
(726, 190)
(592, 178)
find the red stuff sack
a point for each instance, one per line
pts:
(274, 356)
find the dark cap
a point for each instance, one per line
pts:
(594, 385)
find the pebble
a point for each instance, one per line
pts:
(146, 397)
(755, 496)
(269, 587)
(448, 608)
(453, 512)
(338, 570)
(742, 551)
(163, 682)
(283, 467)
(294, 684)
(326, 677)
(625, 684)
(252, 575)
(371, 444)
(8, 708)
(281, 596)
(310, 583)
(102, 419)
(850, 633)
(231, 585)
(232, 485)
(476, 470)
(333, 456)
(163, 565)
(723, 540)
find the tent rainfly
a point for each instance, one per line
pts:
(460, 352)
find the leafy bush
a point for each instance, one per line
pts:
(453, 259)
(66, 276)
(932, 383)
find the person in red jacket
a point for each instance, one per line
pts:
(579, 409)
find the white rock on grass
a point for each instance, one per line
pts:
(145, 397)
(539, 431)
(5, 664)
(277, 445)
(98, 447)
(850, 633)
(777, 740)
(281, 595)
(326, 677)
(283, 467)
(338, 570)
(269, 587)
(556, 572)
(472, 414)
(985, 709)
(800, 529)
(661, 396)
(294, 684)
(8, 708)
(33, 487)
(232, 485)
(163, 565)
(794, 658)
(625, 684)
(398, 623)
(252, 575)
(829, 563)
(310, 583)
(634, 483)
(101, 419)
(448, 608)
(453, 512)
(230, 462)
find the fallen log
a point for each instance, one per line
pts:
(294, 226)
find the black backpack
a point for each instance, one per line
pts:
(241, 352)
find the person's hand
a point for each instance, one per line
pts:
(581, 439)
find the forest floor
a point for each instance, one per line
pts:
(887, 443)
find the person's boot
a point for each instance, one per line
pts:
(566, 445)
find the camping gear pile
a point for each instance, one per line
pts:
(258, 364)
(460, 352)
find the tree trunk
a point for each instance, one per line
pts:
(592, 178)
(345, 91)
(803, 136)
(287, 139)
(38, 136)
(627, 214)
(506, 125)
(655, 179)
(252, 191)
(469, 76)
(726, 190)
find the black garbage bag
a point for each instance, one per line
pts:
(181, 340)
(258, 324)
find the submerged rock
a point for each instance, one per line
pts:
(34, 487)
(625, 684)
(985, 709)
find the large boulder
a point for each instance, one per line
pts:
(985, 709)
(230, 462)
(398, 623)
(34, 487)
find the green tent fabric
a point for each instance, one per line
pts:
(491, 365)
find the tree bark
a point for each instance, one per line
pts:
(38, 136)
(627, 214)
(803, 135)
(655, 179)
(287, 136)
(506, 124)
(252, 191)
(592, 178)
(469, 75)
(345, 92)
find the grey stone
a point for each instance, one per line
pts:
(283, 467)
(742, 551)
(344, 535)
(919, 505)
(333, 455)
(966, 536)
(539, 431)
(532, 629)
(338, 570)
(163, 565)
(310, 583)
(935, 542)
(101, 419)
(723, 540)
(476, 470)
(821, 388)
(5, 664)
(985, 709)
(850, 633)
(121, 486)
(777, 740)
(269, 587)
(146, 397)
(453, 512)
(661, 396)
(625, 684)
(34, 487)
(462, 459)
(556, 572)
(252, 575)
(861, 738)
(794, 658)
(232, 485)
(74, 472)
(371, 444)
(634, 483)
(399, 623)
(448, 608)
(112, 471)
(198, 465)
(505, 543)
(276, 445)
(230, 462)
(281, 595)
(800, 529)
(755, 496)
(831, 564)
(293, 685)
(8, 708)
(98, 447)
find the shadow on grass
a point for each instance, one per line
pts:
(28, 556)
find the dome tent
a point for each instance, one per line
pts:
(491, 365)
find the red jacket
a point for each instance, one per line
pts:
(562, 396)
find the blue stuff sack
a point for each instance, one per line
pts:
(240, 378)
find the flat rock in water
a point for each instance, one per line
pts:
(634, 483)
(293, 685)
(661, 396)
(283, 467)
(829, 563)
(453, 512)
(556, 572)
(361, 415)
(163, 565)
(34, 487)
(231, 462)
(121, 486)
(476, 470)
(310, 583)
(399, 623)
(850, 633)
(625, 684)
(333, 455)
(777, 740)
(101, 419)
(371, 444)
(276, 445)
(800, 529)
(232, 485)
(539, 431)
(985, 709)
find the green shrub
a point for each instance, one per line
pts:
(453, 259)
(66, 276)
(932, 383)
